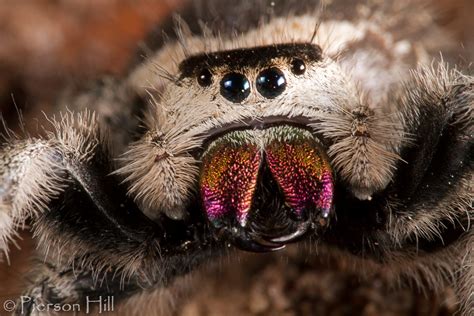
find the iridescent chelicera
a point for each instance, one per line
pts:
(233, 170)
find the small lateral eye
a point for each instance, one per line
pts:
(271, 82)
(204, 78)
(235, 87)
(298, 67)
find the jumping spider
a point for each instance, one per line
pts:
(265, 124)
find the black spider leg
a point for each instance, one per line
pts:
(438, 178)
(94, 211)
(93, 240)
(420, 225)
(430, 188)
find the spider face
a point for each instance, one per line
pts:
(264, 177)
(258, 100)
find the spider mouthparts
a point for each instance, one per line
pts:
(245, 241)
(266, 187)
(302, 229)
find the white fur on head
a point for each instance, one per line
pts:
(365, 138)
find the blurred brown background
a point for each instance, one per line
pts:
(47, 44)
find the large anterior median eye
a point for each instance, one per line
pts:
(235, 87)
(271, 82)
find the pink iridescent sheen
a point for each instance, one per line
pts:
(230, 172)
(303, 174)
(228, 180)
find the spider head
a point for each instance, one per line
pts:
(241, 129)
(264, 180)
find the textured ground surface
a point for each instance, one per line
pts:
(47, 44)
(292, 284)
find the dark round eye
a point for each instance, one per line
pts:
(235, 87)
(298, 67)
(271, 82)
(204, 78)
